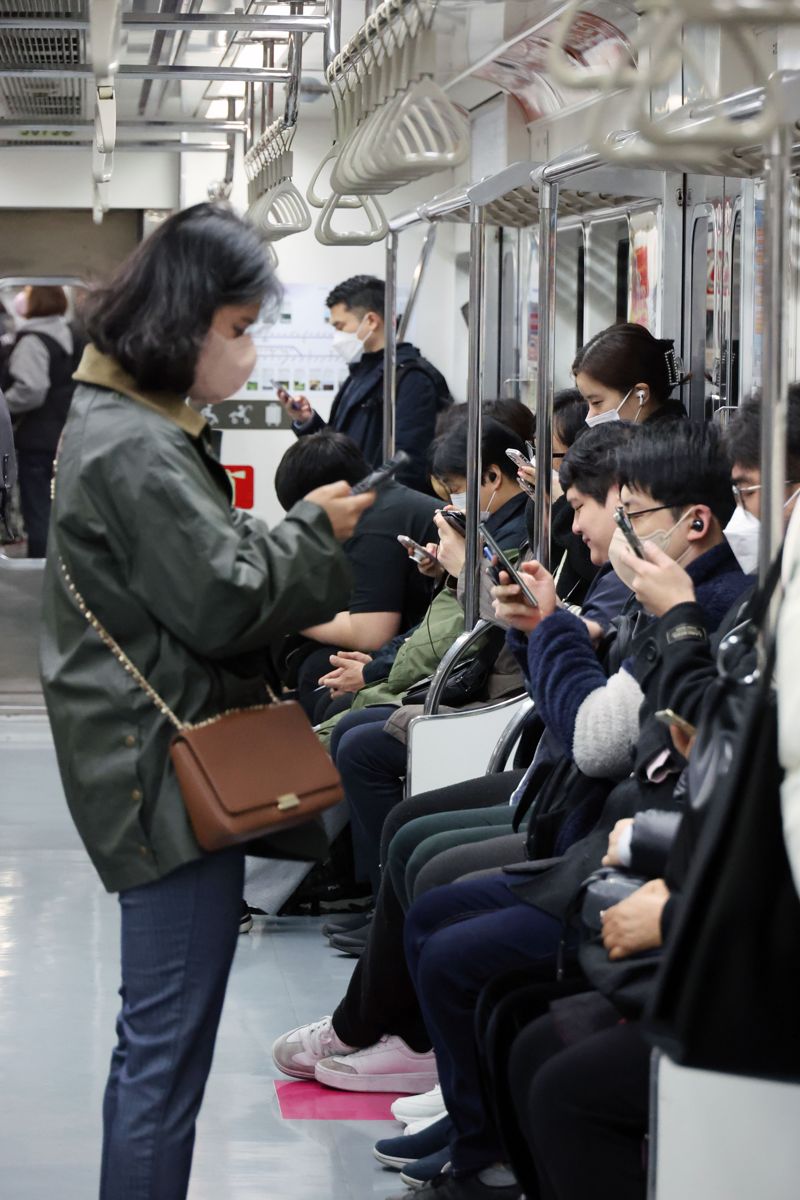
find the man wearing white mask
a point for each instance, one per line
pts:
(356, 308)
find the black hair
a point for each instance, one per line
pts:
(449, 459)
(155, 312)
(743, 435)
(315, 460)
(678, 464)
(623, 355)
(362, 293)
(514, 415)
(590, 464)
(569, 415)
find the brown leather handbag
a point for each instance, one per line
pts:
(243, 774)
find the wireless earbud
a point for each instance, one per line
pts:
(640, 398)
(698, 524)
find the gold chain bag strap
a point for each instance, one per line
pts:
(243, 774)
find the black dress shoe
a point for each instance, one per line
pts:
(346, 924)
(352, 944)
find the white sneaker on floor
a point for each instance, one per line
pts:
(417, 1108)
(297, 1052)
(388, 1066)
(418, 1126)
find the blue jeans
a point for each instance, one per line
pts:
(457, 939)
(178, 939)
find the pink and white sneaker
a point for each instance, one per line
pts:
(297, 1052)
(388, 1066)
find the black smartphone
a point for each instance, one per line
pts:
(456, 519)
(628, 532)
(497, 562)
(376, 479)
(286, 398)
(418, 553)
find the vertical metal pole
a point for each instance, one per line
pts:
(294, 64)
(477, 323)
(774, 408)
(390, 347)
(548, 220)
(419, 272)
(333, 38)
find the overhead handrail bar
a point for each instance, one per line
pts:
(155, 71)
(166, 22)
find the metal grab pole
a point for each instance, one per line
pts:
(774, 404)
(419, 272)
(390, 347)
(477, 322)
(548, 220)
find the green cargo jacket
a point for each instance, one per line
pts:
(192, 589)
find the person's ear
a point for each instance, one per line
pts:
(642, 393)
(700, 522)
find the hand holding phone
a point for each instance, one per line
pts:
(455, 519)
(498, 562)
(668, 717)
(519, 460)
(380, 477)
(628, 532)
(297, 407)
(418, 553)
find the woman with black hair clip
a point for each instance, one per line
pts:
(626, 374)
(194, 591)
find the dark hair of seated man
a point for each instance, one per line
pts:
(316, 460)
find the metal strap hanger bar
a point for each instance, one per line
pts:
(178, 23)
(180, 125)
(147, 71)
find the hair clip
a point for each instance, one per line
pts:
(674, 367)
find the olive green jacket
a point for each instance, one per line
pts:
(192, 589)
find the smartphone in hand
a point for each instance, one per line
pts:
(456, 520)
(628, 532)
(380, 477)
(497, 562)
(291, 402)
(519, 460)
(668, 716)
(416, 552)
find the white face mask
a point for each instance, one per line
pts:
(659, 537)
(613, 413)
(348, 346)
(459, 500)
(742, 534)
(223, 366)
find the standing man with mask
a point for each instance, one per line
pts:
(356, 308)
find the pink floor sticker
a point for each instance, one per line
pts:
(312, 1102)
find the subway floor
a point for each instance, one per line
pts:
(58, 981)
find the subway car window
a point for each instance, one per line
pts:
(399, 595)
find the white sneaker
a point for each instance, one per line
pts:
(388, 1066)
(418, 1126)
(416, 1108)
(297, 1052)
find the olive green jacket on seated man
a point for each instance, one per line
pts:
(192, 589)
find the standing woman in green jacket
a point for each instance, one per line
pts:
(194, 591)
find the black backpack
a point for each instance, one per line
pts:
(8, 467)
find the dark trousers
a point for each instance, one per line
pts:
(178, 939)
(372, 765)
(380, 998)
(457, 939)
(585, 1110)
(35, 471)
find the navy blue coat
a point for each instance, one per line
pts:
(358, 410)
